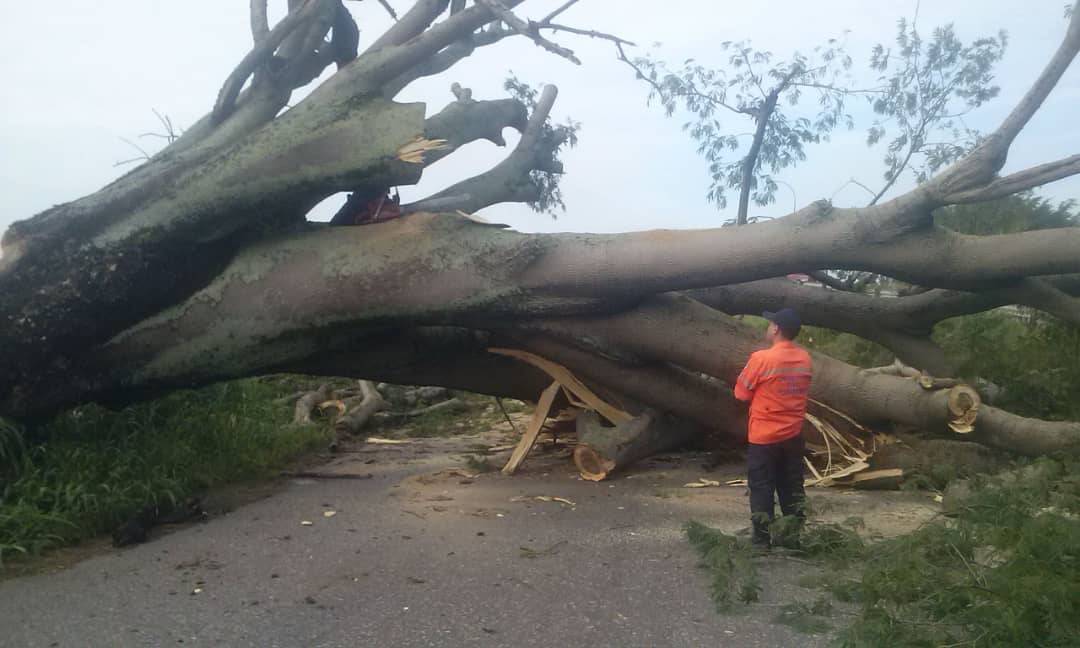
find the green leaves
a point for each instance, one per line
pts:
(553, 139)
(729, 563)
(94, 468)
(927, 87)
(754, 86)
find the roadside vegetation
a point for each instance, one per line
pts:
(90, 469)
(1002, 569)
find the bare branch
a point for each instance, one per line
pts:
(260, 27)
(261, 53)
(1020, 181)
(528, 29)
(398, 61)
(411, 25)
(446, 58)
(389, 9)
(555, 14)
(142, 157)
(591, 33)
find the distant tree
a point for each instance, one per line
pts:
(758, 88)
(1019, 213)
(928, 86)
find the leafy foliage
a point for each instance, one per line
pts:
(1018, 213)
(12, 447)
(729, 563)
(552, 140)
(94, 468)
(928, 88)
(1004, 572)
(1032, 359)
(754, 87)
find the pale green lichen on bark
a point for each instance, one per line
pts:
(285, 156)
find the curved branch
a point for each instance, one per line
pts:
(259, 55)
(260, 26)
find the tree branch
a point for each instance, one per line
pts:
(661, 92)
(558, 12)
(446, 58)
(467, 120)
(1020, 181)
(510, 180)
(978, 168)
(527, 29)
(260, 27)
(259, 55)
(411, 25)
(389, 9)
(591, 33)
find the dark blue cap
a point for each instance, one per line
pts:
(787, 319)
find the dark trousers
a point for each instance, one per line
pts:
(775, 468)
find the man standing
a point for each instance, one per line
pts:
(776, 381)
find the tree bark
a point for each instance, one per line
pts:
(603, 450)
(694, 336)
(199, 266)
(353, 420)
(763, 115)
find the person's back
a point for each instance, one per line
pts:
(776, 381)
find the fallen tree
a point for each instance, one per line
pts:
(200, 264)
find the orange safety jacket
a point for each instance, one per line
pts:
(776, 381)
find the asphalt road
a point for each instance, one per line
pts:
(434, 560)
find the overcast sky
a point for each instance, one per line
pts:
(81, 76)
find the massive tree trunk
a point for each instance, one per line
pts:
(200, 265)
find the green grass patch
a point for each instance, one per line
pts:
(1004, 571)
(91, 469)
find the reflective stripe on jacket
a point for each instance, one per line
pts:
(776, 381)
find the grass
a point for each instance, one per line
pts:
(91, 469)
(1005, 571)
